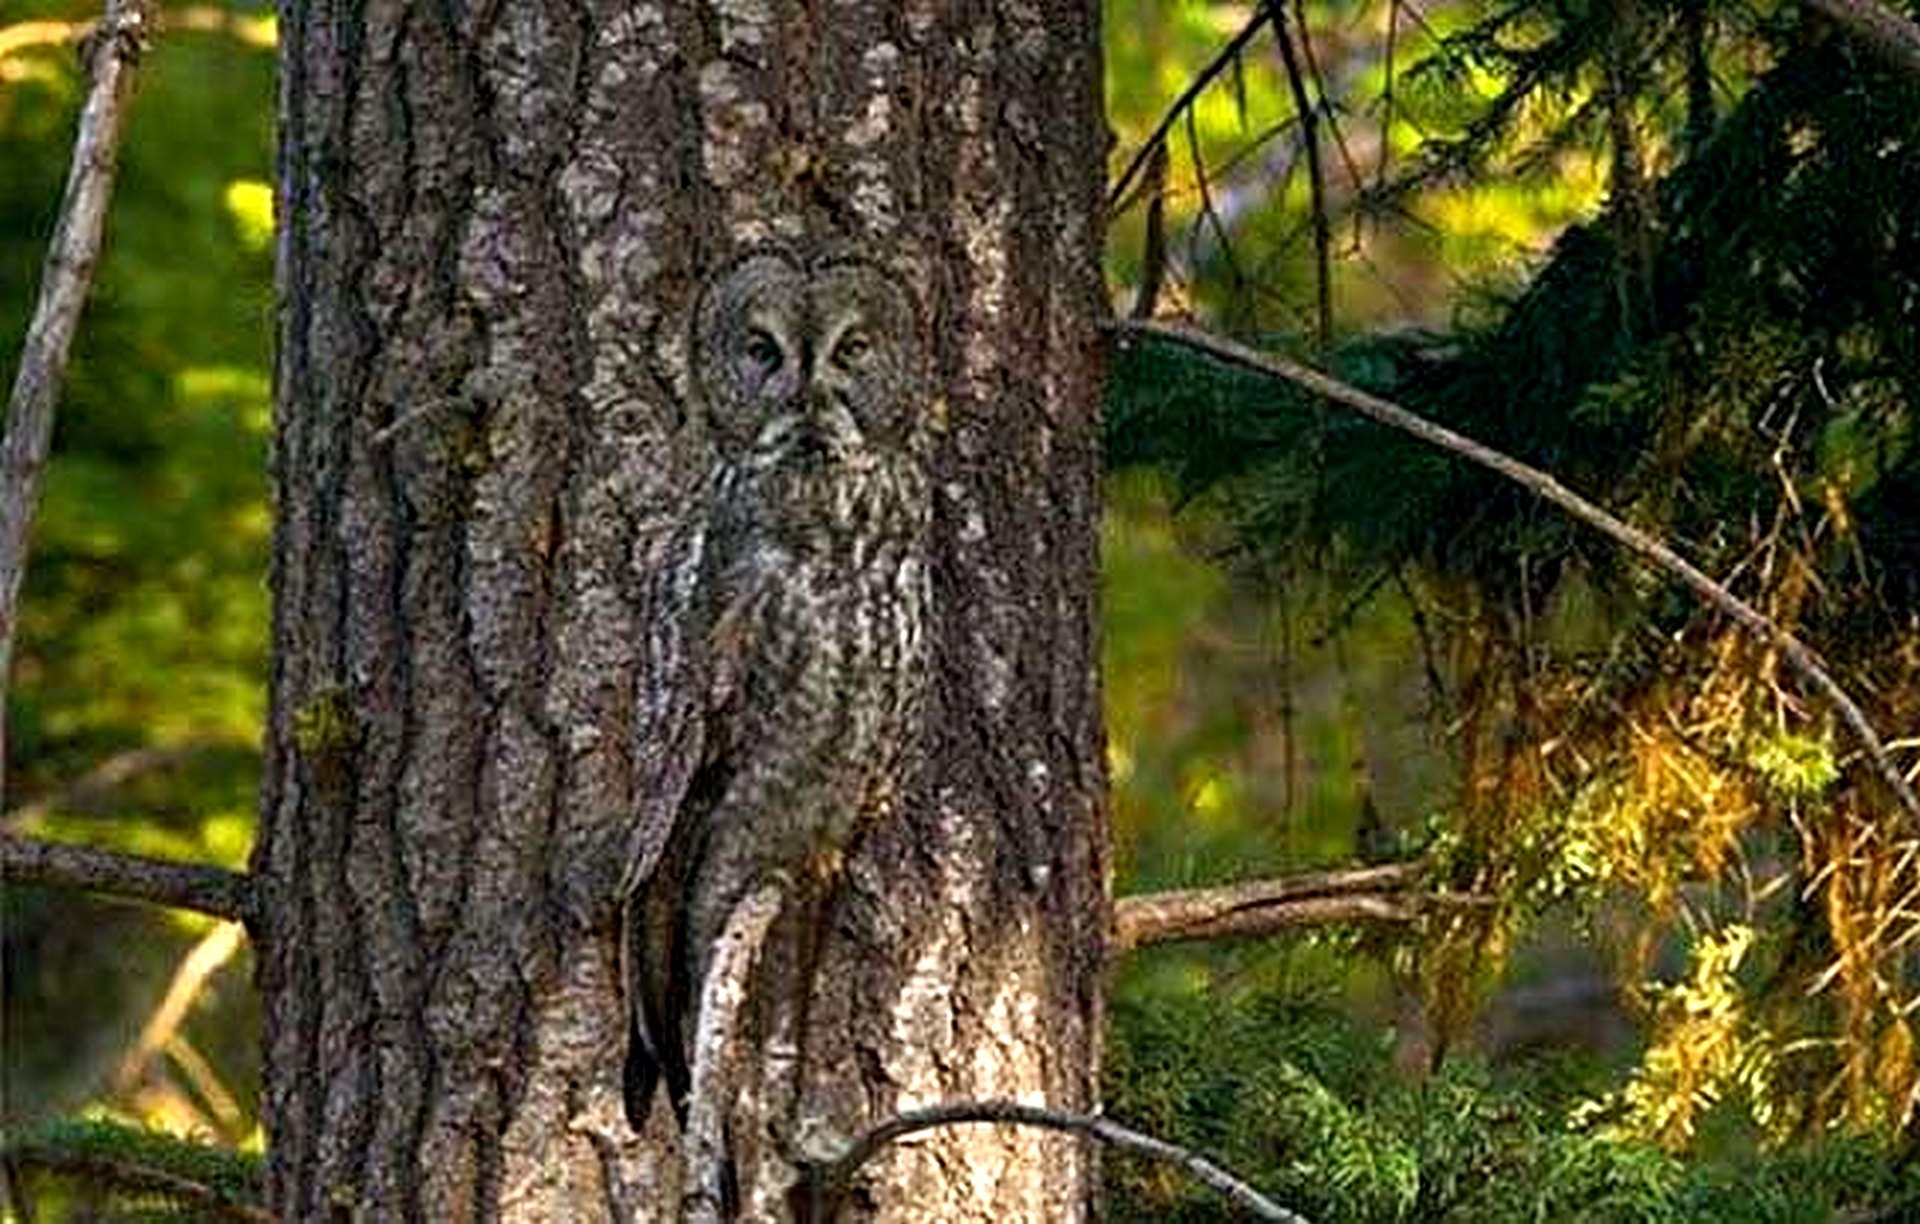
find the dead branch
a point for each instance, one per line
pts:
(1263, 907)
(68, 275)
(1153, 251)
(188, 886)
(100, 783)
(1118, 194)
(1890, 35)
(210, 1097)
(1139, 927)
(213, 950)
(824, 1183)
(1309, 116)
(1392, 415)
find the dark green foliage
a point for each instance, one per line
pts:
(105, 1173)
(138, 680)
(1729, 356)
(1308, 1107)
(1783, 322)
(1296, 474)
(143, 611)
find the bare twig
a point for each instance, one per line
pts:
(213, 950)
(1153, 249)
(63, 290)
(1124, 184)
(1890, 35)
(99, 783)
(1328, 112)
(1252, 145)
(1209, 216)
(1309, 116)
(1438, 699)
(1389, 58)
(1388, 893)
(1392, 415)
(19, 36)
(825, 1182)
(189, 886)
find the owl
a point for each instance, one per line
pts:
(785, 657)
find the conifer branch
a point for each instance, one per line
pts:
(124, 1167)
(823, 1183)
(130, 1178)
(189, 886)
(115, 47)
(1797, 655)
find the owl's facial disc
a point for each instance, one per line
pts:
(809, 365)
(747, 337)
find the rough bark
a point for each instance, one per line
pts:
(492, 219)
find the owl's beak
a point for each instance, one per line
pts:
(811, 444)
(827, 431)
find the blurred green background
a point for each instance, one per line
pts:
(1686, 996)
(139, 681)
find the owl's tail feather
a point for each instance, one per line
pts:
(655, 975)
(646, 1065)
(640, 1076)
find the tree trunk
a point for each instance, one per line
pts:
(493, 220)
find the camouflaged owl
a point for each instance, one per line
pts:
(786, 628)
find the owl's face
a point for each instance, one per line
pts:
(807, 364)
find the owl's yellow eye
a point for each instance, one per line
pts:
(763, 352)
(853, 349)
